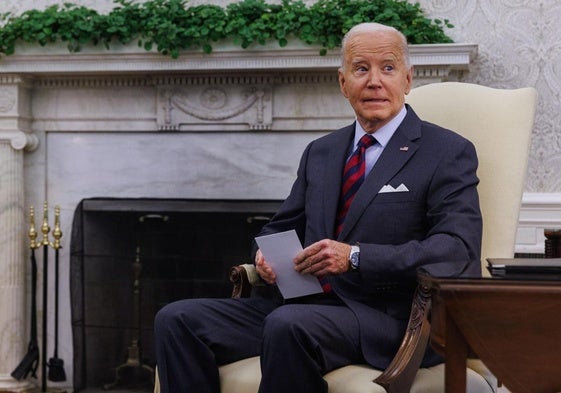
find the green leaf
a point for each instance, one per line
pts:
(173, 25)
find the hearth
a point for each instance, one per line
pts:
(130, 257)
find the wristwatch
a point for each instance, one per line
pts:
(354, 258)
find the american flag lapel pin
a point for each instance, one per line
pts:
(404, 148)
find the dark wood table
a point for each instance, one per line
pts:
(513, 326)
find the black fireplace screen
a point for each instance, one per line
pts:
(130, 257)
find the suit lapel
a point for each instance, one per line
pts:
(400, 149)
(333, 175)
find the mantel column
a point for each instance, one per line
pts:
(14, 311)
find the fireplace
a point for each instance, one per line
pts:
(175, 248)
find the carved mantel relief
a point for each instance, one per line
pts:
(7, 100)
(235, 107)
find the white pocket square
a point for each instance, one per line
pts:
(388, 188)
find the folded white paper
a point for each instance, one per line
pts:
(279, 250)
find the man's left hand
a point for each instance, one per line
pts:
(323, 258)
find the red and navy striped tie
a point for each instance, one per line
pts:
(353, 176)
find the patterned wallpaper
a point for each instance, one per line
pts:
(518, 47)
(17, 6)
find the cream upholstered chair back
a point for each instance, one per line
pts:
(499, 122)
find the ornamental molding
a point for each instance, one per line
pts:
(115, 81)
(56, 60)
(20, 140)
(89, 82)
(206, 106)
(541, 209)
(15, 118)
(8, 99)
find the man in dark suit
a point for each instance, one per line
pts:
(417, 207)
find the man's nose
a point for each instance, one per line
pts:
(374, 78)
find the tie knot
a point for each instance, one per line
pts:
(366, 141)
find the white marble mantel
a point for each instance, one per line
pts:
(55, 59)
(124, 123)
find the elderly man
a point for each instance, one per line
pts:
(372, 203)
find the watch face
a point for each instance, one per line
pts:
(354, 260)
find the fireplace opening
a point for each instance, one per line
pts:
(130, 257)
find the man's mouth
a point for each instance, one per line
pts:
(374, 100)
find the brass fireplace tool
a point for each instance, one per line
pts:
(30, 361)
(56, 365)
(134, 362)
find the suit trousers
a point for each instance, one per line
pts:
(298, 342)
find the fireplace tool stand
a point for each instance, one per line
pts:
(138, 372)
(34, 355)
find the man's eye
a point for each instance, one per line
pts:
(388, 68)
(361, 69)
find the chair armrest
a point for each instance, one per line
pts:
(399, 375)
(243, 278)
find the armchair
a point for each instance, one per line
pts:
(499, 123)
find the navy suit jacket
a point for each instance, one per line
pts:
(435, 225)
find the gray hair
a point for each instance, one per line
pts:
(371, 27)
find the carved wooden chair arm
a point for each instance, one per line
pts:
(243, 278)
(399, 375)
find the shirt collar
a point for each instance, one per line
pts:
(384, 134)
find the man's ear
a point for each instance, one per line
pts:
(409, 80)
(342, 84)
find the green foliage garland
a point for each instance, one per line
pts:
(171, 26)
